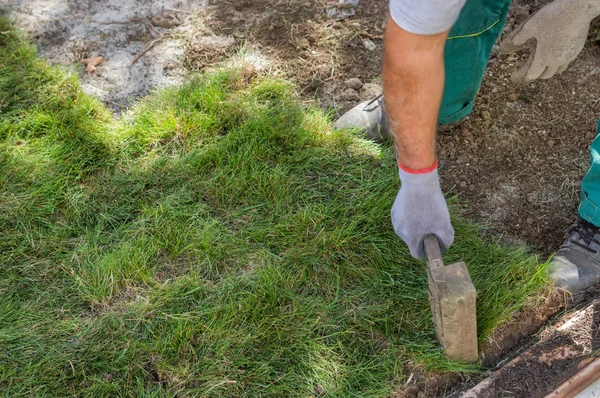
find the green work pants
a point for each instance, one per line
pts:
(466, 55)
(590, 196)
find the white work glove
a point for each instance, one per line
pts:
(559, 30)
(420, 209)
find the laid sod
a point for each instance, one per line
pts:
(218, 240)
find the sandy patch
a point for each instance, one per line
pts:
(68, 31)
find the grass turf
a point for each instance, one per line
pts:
(217, 240)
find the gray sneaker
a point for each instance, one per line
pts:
(369, 117)
(576, 265)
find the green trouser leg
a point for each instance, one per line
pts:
(589, 208)
(466, 54)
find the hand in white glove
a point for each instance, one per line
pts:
(559, 30)
(420, 209)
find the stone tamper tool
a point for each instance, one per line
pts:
(452, 297)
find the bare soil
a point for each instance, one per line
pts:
(560, 352)
(142, 42)
(298, 37)
(519, 160)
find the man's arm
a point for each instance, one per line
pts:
(413, 81)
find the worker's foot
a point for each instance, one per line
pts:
(576, 265)
(369, 117)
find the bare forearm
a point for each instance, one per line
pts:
(413, 82)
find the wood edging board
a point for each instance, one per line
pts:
(565, 360)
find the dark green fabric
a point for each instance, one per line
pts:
(466, 54)
(590, 197)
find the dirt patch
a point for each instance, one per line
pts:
(562, 351)
(518, 162)
(68, 31)
(309, 42)
(536, 375)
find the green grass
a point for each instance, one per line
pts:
(218, 240)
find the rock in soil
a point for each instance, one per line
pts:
(370, 91)
(369, 45)
(354, 83)
(166, 19)
(350, 95)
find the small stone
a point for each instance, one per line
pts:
(303, 42)
(495, 50)
(513, 97)
(371, 90)
(354, 83)
(204, 43)
(532, 197)
(369, 45)
(463, 184)
(521, 13)
(590, 135)
(551, 143)
(350, 95)
(165, 19)
(486, 115)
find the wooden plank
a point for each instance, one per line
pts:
(556, 366)
(579, 382)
